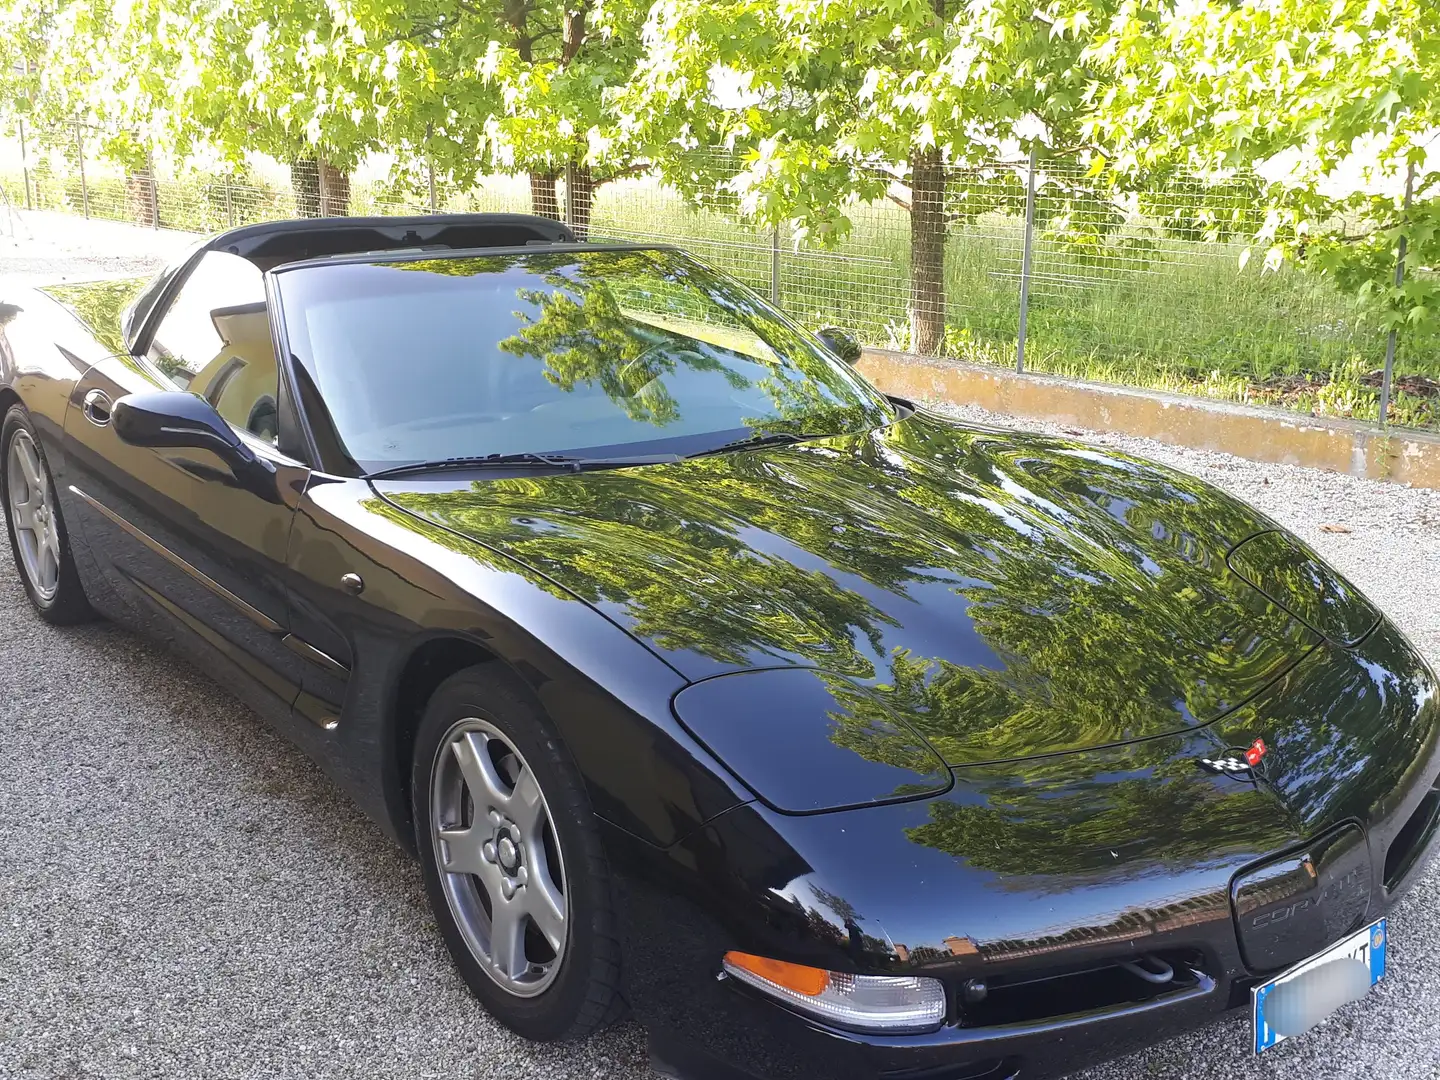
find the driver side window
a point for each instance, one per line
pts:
(215, 341)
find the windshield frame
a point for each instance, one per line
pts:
(324, 439)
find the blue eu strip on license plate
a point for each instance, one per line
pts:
(1316, 987)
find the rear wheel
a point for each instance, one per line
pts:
(38, 537)
(512, 860)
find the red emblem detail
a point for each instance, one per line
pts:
(1255, 753)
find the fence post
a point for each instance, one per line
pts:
(321, 172)
(570, 194)
(430, 166)
(1387, 377)
(1025, 263)
(229, 206)
(775, 265)
(154, 190)
(25, 165)
(80, 157)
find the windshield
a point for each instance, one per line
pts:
(605, 351)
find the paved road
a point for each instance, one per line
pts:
(182, 894)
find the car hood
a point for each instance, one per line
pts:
(984, 594)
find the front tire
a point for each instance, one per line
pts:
(38, 537)
(512, 860)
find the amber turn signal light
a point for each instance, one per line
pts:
(803, 980)
(892, 1003)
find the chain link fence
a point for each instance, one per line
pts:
(1047, 267)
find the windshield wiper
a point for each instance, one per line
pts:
(759, 442)
(526, 457)
(489, 461)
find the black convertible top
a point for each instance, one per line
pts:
(270, 243)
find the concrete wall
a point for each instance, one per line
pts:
(1260, 434)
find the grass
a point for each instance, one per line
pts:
(1141, 311)
(1151, 312)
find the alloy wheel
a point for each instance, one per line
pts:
(33, 515)
(500, 863)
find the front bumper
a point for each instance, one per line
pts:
(755, 1043)
(1038, 878)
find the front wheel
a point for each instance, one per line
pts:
(512, 860)
(38, 537)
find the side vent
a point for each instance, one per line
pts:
(1043, 997)
(1412, 840)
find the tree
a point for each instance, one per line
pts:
(59, 73)
(24, 34)
(303, 83)
(515, 85)
(290, 80)
(1342, 92)
(815, 103)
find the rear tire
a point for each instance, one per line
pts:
(39, 539)
(512, 859)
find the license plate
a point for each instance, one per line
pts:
(1367, 946)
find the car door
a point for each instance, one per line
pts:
(198, 554)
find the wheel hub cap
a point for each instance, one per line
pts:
(509, 854)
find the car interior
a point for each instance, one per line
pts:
(242, 379)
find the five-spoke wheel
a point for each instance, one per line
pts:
(32, 515)
(514, 866)
(504, 876)
(37, 530)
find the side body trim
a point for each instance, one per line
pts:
(265, 622)
(304, 649)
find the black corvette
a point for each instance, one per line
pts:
(827, 736)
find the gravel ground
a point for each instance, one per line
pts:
(39, 247)
(182, 894)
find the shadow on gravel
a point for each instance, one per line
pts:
(186, 894)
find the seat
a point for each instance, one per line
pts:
(243, 378)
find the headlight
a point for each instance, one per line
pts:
(1295, 578)
(807, 741)
(888, 1003)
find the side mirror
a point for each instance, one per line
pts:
(176, 418)
(840, 342)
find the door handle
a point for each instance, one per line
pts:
(97, 407)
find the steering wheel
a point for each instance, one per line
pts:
(264, 419)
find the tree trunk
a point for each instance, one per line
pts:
(140, 196)
(572, 34)
(579, 198)
(305, 181)
(927, 252)
(334, 190)
(543, 200)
